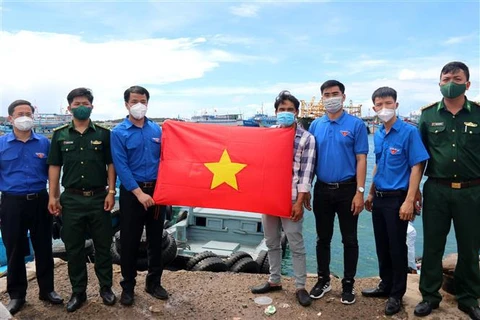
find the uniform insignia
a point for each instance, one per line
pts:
(157, 140)
(61, 127)
(41, 155)
(471, 124)
(394, 150)
(102, 126)
(67, 142)
(437, 124)
(344, 133)
(428, 106)
(96, 142)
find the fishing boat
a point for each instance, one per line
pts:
(229, 119)
(260, 120)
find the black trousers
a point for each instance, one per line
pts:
(18, 215)
(133, 218)
(390, 240)
(327, 202)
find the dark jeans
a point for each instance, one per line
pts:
(132, 220)
(327, 202)
(390, 240)
(18, 215)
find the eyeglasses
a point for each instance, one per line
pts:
(282, 95)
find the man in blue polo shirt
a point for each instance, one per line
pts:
(136, 155)
(23, 179)
(342, 147)
(393, 196)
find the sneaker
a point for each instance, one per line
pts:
(348, 293)
(320, 288)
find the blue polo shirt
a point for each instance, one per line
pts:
(396, 152)
(338, 142)
(136, 152)
(23, 165)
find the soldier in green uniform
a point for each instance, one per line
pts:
(83, 149)
(450, 130)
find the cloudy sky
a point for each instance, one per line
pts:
(197, 56)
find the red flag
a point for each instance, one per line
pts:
(236, 168)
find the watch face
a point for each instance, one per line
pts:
(361, 189)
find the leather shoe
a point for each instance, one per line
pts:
(473, 312)
(303, 297)
(51, 297)
(375, 292)
(127, 298)
(108, 296)
(393, 306)
(15, 305)
(157, 291)
(266, 287)
(76, 301)
(424, 308)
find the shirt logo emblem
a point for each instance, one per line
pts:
(471, 124)
(344, 133)
(394, 150)
(41, 155)
(96, 142)
(157, 140)
(67, 142)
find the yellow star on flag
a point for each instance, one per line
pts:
(224, 171)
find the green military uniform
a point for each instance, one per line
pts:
(452, 191)
(84, 157)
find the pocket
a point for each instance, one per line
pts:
(155, 147)
(471, 138)
(436, 133)
(395, 156)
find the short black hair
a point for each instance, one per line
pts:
(135, 89)
(285, 95)
(384, 92)
(332, 83)
(16, 103)
(454, 67)
(80, 92)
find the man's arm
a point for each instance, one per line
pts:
(54, 190)
(358, 202)
(110, 199)
(407, 208)
(371, 192)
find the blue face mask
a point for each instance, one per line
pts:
(285, 119)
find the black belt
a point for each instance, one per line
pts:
(28, 196)
(86, 193)
(456, 184)
(386, 194)
(147, 184)
(337, 185)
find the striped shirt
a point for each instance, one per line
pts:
(304, 157)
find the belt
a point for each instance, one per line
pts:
(457, 184)
(386, 194)
(147, 185)
(86, 193)
(337, 185)
(28, 196)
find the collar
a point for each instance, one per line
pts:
(11, 136)
(339, 120)
(397, 125)
(129, 124)
(90, 125)
(466, 105)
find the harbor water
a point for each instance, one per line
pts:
(367, 261)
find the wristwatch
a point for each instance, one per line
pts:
(361, 189)
(112, 191)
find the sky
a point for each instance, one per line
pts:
(199, 57)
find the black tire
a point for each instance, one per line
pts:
(448, 283)
(115, 215)
(199, 257)
(265, 266)
(115, 254)
(261, 257)
(165, 240)
(234, 257)
(214, 264)
(284, 243)
(169, 253)
(245, 265)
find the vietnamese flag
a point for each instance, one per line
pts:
(226, 167)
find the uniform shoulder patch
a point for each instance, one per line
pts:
(428, 106)
(476, 103)
(61, 127)
(102, 126)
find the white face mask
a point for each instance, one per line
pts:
(386, 114)
(333, 105)
(23, 123)
(138, 110)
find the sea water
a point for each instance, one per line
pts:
(367, 260)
